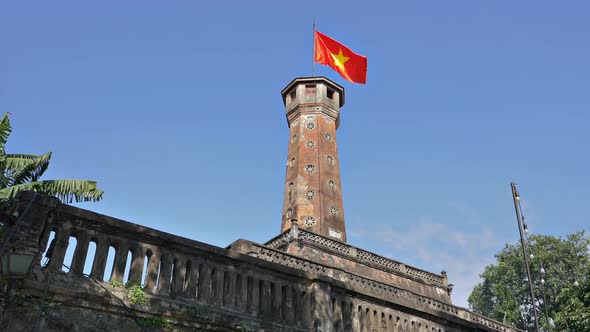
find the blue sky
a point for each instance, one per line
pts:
(174, 108)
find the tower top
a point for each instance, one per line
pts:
(314, 80)
(313, 92)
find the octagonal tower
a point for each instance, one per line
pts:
(313, 194)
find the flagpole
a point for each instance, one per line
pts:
(313, 56)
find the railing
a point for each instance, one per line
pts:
(248, 280)
(376, 288)
(362, 255)
(172, 266)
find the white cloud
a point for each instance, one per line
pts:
(437, 246)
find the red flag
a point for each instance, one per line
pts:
(351, 66)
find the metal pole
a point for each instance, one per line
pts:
(515, 198)
(314, 46)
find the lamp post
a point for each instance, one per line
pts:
(516, 198)
(15, 266)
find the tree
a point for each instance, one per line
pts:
(504, 292)
(21, 172)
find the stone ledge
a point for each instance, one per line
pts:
(359, 255)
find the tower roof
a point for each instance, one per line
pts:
(317, 79)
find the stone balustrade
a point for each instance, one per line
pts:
(261, 287)
(171, 267)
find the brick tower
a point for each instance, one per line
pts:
(313, 194)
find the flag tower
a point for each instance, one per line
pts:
(313, 195)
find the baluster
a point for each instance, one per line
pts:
(165, 271)
(397, 325)
(276, 300)
(265, 300)
(296, 298)
(80, 253)
(178, 276)
(253, 296)
(137, 262)
(347, 315)
(356, 317)
(217, 286)
(288, 305)
(337, 314)
(204, 291)
(121, 252)
(191, 282)
(374, 321)
(229, 288)
(44, 238)
(242, 292)
(100, 258)
(151, 279)
(306, 309)
(389, 318)
(56, 261)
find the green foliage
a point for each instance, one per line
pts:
(115, 283)
(157, 322)
(504, 292)
(136, 295)
(21, 172)
(574, 302)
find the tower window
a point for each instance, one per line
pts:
(330, 94)
(292, 162)
(310, 125)
(310, 89)
(309, 168)
(309, 194)
(328, 137)
(310, 144)
(294, 139)
(292, 96)
(289, 213)
(330, 160)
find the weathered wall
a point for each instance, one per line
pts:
(192, 286)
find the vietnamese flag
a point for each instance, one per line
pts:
(351, 66)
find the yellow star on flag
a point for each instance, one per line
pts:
(340, 59)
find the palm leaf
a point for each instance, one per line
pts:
(24, 169)
(5, 131)
(65, 190)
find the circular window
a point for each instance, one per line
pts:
(331, 184)
(309, 168)
(310, 125)
(309, 194)
(292, 162)
(309, 220)
(330, 160)
(310, 144)
(333, 211)
(294, 139)
(289, 213)
(328, 137)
